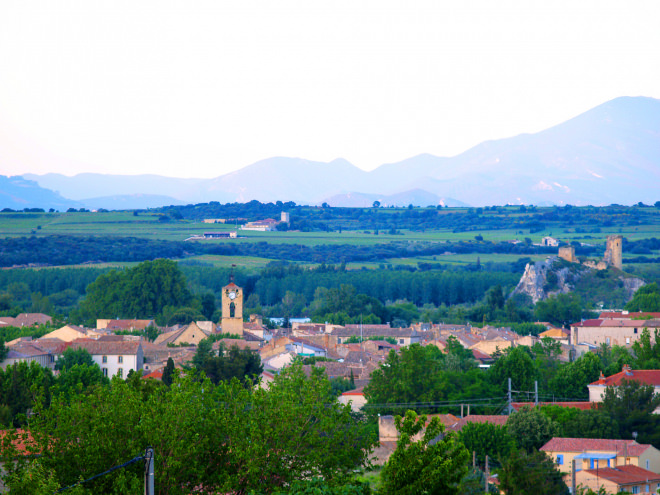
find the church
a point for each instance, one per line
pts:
(232, 309)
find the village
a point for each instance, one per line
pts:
(354, 351)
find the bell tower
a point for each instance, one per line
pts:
(232, 308)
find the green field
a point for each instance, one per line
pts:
(148, 226)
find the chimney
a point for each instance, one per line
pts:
(627, 370)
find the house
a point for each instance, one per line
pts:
(403, 336)
(558, 334)
(29, 351)
(645, 377)
(25, 320)
(261, 225)
(305, 348)
(496, 420)
(355, 398)
(549, 242)
(189, 334)
(113, 357)
(598, 453)
(584, 406)
(611, 331)
(69, 333)
(124, 324)
(627, 478)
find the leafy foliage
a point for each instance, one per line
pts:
(140, 292)
(531, 428)
(523, 473)
(436, 463)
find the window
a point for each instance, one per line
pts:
(591, 463)
(627, 340)
(105, 359)
(635, 330)
(635, 489)
(105, 371)
(560, 459)
(400, 341)
(608, 340)
(120, 372)
(120, 359)
(648, 462)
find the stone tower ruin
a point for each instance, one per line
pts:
(613, 252)
(568, 253)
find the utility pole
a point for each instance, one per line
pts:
(536, 393)
(474, 459)
(509, 399)
(573, 477)
(486, 477)
(149, 472)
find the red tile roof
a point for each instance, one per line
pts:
(621, 314)
(645, 377)
(557, 444)
(578, 405)
(625, 475)
(475, 418)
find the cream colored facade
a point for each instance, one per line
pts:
(649, 459)
(232, 309)
(69, 333)
(191, 334)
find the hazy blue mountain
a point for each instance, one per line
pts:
(130, 202)
(610, 154)
(91, 185)
(285, 179)
(17, 193)
(417, 197)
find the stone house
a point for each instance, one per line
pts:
(598, 453)
(645, 377)
(113, 357)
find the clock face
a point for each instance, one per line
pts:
(232, 295)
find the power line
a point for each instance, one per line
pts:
(135, 459)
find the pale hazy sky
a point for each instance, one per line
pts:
(200, 88)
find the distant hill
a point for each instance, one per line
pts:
(130, 202)
(610, 154)
(18, 193)
(417, 197)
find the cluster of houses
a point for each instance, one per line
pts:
(354, 352)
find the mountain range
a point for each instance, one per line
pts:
(609, 154)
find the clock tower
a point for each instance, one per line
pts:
(232, 309)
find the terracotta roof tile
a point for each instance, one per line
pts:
(558, 444)
(476, 418)
(645, 377)
(625, 475)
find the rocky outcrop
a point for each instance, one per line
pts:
(555, 276)
(631, 285)
(536, 285)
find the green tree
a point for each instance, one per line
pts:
(531, 428)
(71, 357)
(291, 432)
(434, 464)
(647, 350)
(516, 363)
(168, 372)
(487, 439)
(243, 364)
(631, 405)
(560, 309)
(646, 298)
(569, 381)
(523, 473)
(140, 292)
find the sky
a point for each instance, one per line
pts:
(200, 88)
